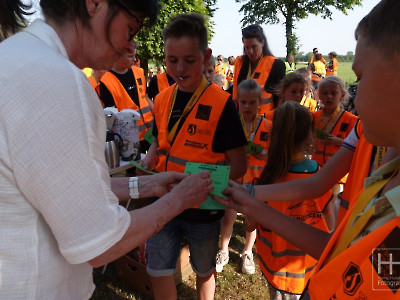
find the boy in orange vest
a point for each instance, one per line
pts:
(195, 121)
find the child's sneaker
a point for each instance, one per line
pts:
(221, 260)
(248, 266)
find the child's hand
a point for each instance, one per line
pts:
(261, 156)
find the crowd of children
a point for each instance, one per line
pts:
(291, 122)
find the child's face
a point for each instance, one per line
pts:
(294, 92)
(185, 62)
(377, 99)
(248, 103)
(209, 71)
(330, 95)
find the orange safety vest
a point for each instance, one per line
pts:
(123, 100)
(311, 104)
(261, 137)
(260, 75)
(220, 69)
(286, 267)
(162, 81)
(333, 71)
(193, 142)
(342, 129)
(354, 273)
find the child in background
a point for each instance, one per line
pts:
(220, 80)
(291, 88)
(209, 69)
(308, 98)
(286, 267)
(256, 129)
(195, 121)
(332, 124)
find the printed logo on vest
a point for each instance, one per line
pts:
(139, 80)
(385, 260)
(264, 136)
(352, 279)
(192, 128)
(196, 145)
(203, 112)
(304, 211)
(256, 75)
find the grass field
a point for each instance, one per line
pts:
(344, 72)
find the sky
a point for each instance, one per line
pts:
(326, 35)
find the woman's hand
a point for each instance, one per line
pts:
(193, 189)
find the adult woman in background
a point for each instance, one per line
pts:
(59, 212)
(259, 64)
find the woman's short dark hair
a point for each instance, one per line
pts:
(256, 31)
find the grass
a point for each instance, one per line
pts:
(231, 283)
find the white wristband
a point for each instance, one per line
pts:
(133, 188)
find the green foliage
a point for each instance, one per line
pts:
(150, 41)
(271, 11)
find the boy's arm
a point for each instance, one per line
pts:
(237, 161)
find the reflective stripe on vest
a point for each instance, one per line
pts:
(194, 140)
(286, 267)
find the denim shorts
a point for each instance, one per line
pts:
(164, 247)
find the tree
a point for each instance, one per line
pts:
(150, 41)
(269, 12)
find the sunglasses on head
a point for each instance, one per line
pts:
(135, 19)
(252, 29)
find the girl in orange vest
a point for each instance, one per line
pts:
(360, 260)
(308, 98)
(256, 129)
(291, 88)
(332, 125)
(285, 266)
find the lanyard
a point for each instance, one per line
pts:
(249, 73)
(192, 101)
(330, 118)
(354, 227)
(252, 127)
(380, 153)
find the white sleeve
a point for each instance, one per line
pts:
(352, 139)
(57, 155)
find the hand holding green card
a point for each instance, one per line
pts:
(220, 179)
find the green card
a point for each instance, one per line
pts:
(148, 136)
(220, 178)
(139, 166)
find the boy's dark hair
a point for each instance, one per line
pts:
(290, 128)
(256, 31)
(190, 25)
(381, 27)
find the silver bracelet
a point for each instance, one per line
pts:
(133, 188)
